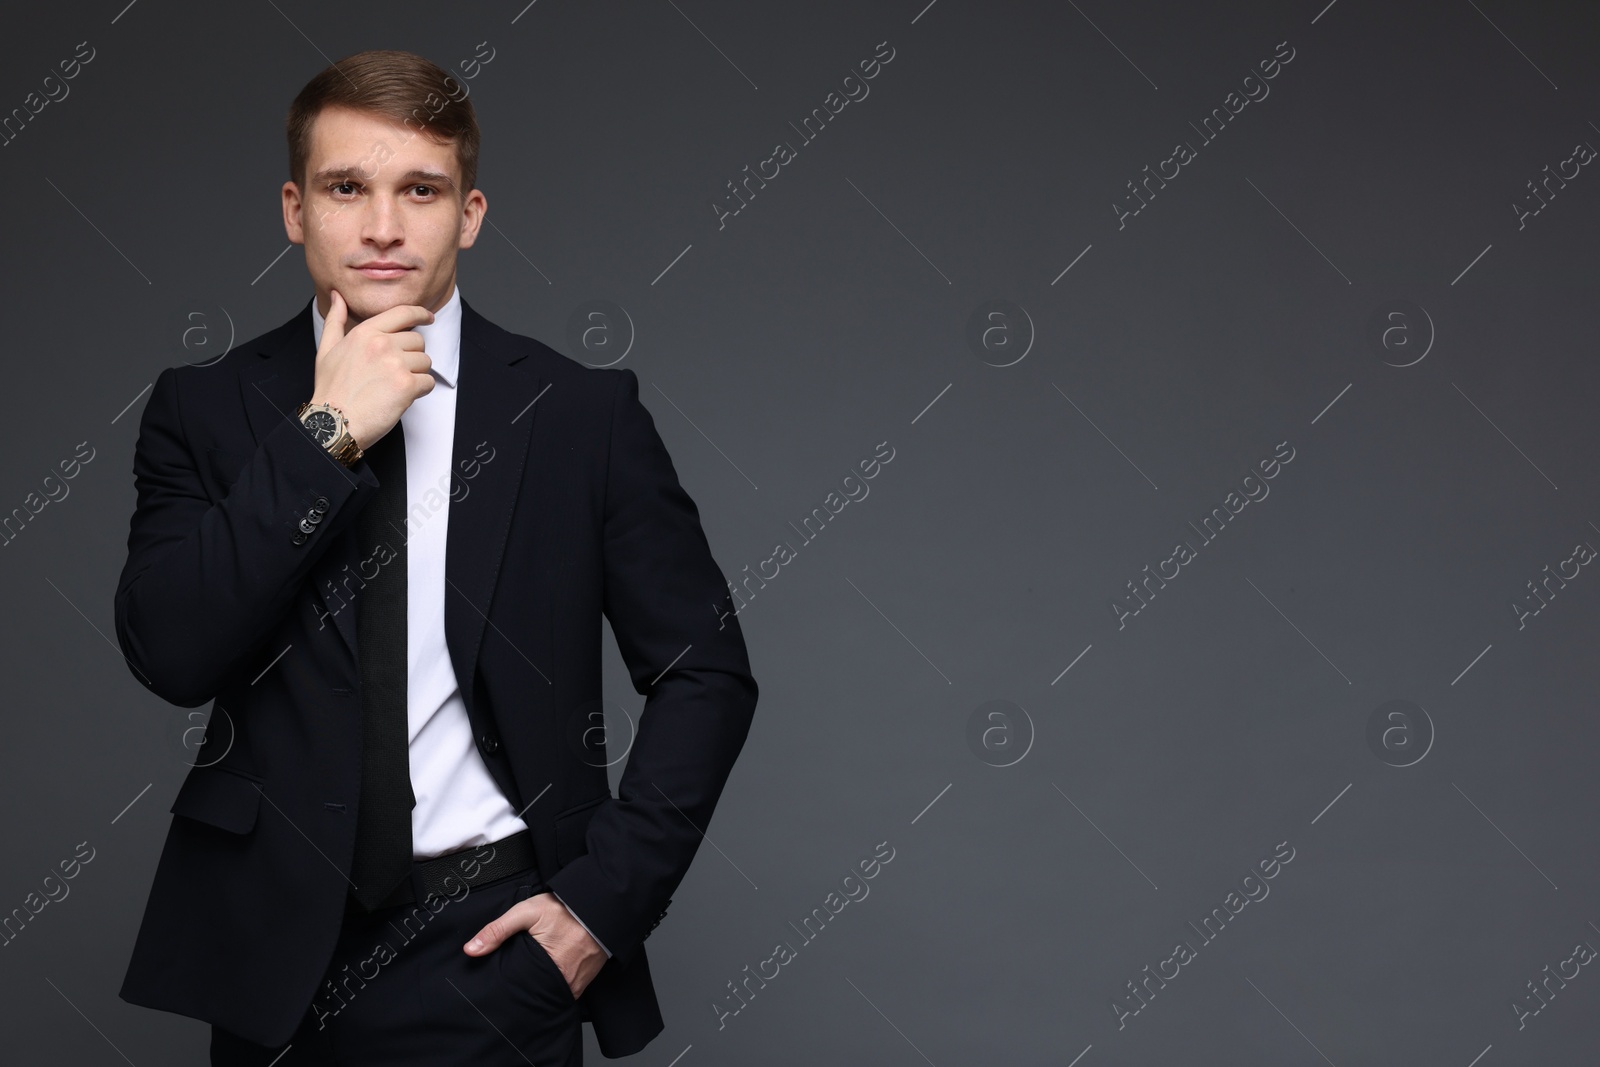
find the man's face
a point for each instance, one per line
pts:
(381, 215)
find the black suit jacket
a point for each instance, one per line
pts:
(561, 509)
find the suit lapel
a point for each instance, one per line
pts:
(495, 411)
(494, 417)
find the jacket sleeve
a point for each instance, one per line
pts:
(688, 659)
(207, 581)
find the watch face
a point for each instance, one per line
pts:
(322, 424)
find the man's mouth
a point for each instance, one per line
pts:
(382, 269)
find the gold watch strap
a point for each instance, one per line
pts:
(346, 450)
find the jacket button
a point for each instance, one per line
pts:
(313, 516)
(307, 526)
(491, 743)
(321, 503)
(299, 538)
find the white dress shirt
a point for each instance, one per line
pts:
(459, 804)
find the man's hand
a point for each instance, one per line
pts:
(542, 915)
(374, 372)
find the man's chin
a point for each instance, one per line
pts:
(376, 299)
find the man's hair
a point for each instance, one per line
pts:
(401, 86)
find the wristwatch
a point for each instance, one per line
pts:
(331, 430)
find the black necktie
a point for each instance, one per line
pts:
(383, 816)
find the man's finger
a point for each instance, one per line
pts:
(515, 921)
(333, 323)
(398, 318)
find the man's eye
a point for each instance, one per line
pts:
(339, 187)
(426, 189)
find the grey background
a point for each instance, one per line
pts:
(778, 351)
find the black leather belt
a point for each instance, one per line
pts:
(451, 874)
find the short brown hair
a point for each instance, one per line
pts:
(401, 86)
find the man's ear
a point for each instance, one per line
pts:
(293, 214)
(473, 209)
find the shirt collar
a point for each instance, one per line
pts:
(441, 338)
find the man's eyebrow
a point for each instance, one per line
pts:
(358, 173)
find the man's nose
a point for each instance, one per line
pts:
(381, 223)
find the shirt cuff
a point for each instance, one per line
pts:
(580, 923)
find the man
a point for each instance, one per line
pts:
(381, 538)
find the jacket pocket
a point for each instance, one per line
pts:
(572, 828)
(219, 797)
